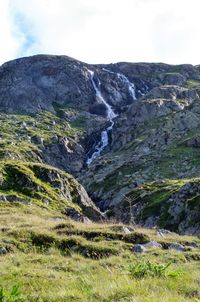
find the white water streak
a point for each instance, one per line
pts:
(125, 80)
(131, 86)
(110, 116)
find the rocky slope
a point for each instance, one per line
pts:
(53, 112)
(45, 186)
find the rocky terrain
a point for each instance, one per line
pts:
(54, 110)
(99, 181)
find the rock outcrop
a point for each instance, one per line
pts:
(44, 185)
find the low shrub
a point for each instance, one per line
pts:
(149, 269)
(12, 296)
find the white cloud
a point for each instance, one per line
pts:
(9, 40)
(102, 31)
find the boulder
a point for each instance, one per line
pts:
(177, 246)
(3, 251)
(75, 215)
(139, 248)
(152, 244)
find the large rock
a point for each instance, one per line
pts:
(177, 246)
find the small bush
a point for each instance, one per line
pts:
(12, 296)
(149, 269)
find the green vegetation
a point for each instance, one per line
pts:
(13, 296)
(154, 197)
(24, 137)
(193, 84)
(79, 122)
(51, 258)
(38, 183)
(46, 257)
(145, 269)
(153, 194)
(172, 73)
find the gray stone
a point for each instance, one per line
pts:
(152, 244)
(139, 248)
(126, 230)
(163, 232)
(177, 247)
(75, 215)
(193, 244)
(3, 251)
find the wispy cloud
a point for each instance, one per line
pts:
(102, 31)
(8, 41)
(22, 31)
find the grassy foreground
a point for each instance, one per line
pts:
(51, 258)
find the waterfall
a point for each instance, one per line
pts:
(125, 80)
(144, 89)
(131, 86)
(110, 116)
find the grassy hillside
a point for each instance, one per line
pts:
(51, 258)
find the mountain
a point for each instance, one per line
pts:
(99, 181)
(128, 132)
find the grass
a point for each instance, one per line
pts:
(23, 136)
(193, 84)
(176, 161)
(12, 296)
(51, 258)
(144, 269)
(46, 186)
(154, 198)
(48, 263)
(19, 178)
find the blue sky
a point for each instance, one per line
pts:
(102, 31)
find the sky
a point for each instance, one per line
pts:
(102, 31)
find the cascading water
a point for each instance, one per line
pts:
(144, 89)
(110, 116)
(131, 86)
(125, 80)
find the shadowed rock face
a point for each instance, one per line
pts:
(32, 84)
(157, 107)
(29, 85)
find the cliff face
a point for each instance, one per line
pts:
(55, 110)
(43, 82)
